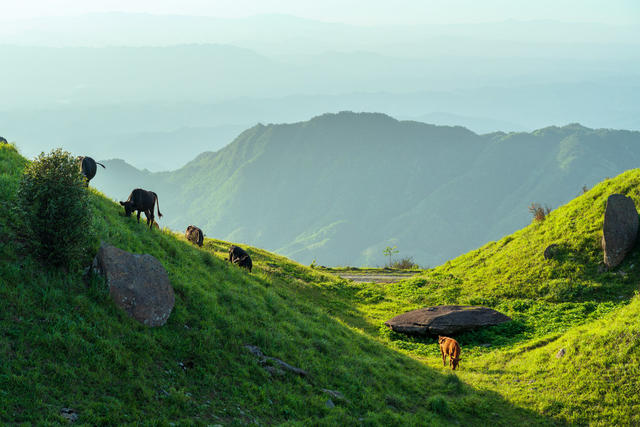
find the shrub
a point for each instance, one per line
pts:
(539, 213)
(405, 263)
(54, 204)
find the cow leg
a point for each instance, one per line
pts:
(149, 215)
(139, 217)
(444, 358)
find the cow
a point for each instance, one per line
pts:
(3, 141)
(449, 347)
(142, 201)
(88, 167)
(238, 256)
(194, 235)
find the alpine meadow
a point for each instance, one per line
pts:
(293, 213)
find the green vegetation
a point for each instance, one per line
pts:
(568, 302)
(63, 343)
(53, 201)
(390, 252)
(434, 191)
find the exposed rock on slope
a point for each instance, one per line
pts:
(445, 320)
(138, 284)
(619, 230)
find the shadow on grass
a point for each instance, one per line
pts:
(410, 387)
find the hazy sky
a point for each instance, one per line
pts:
(367, 12)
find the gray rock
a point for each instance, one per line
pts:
(551, 251)
(273, 365)
(619, 230)
(70, 414)
(138, 284)
(333, 393)
(445, 320)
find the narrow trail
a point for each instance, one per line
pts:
(376, 277)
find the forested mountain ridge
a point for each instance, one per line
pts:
(339, 188)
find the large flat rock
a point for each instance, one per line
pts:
(445, 320)
(138, 284)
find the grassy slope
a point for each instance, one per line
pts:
(63, 343)
(568, 302)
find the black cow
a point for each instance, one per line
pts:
(142, 201)
(194, 235)
(3, 141)
(88, 167)
(239, 256)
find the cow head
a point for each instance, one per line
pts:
(128, 207)
(454, 362)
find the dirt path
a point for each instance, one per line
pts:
(375, 277)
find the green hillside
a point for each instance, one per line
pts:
(568, 302)
(64, 344)
(339, 188)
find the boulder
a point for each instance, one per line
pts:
(445, 320)
(138, 284)
(619, 230)
(551, 251)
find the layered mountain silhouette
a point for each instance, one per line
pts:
(339, 188)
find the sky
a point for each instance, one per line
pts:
(358, 12)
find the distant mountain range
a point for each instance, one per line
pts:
(339, 188)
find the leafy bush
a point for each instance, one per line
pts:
(54, 204)
(405, 263)
(539, 213)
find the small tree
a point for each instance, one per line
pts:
(539, 213)
(390, 251)
(54, 205)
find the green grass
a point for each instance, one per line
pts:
(63, 343)
(553, 303)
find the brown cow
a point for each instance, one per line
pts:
(194, 235)
(449, 347)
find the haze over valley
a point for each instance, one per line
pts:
(158, 90)
(111, 82)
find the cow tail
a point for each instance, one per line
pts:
(101, 165)
(158, 203)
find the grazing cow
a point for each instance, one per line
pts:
(88, 167)
(449, 347)
(194, 235)
(238, 256)
(142, 201)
